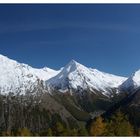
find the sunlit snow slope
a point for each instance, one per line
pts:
(75, 76)
(19, 78)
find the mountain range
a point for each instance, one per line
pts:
(75, 93)
(18, 77)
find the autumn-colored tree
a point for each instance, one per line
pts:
(49, 132)
(119, 126)
(97, 127)
(24, 132)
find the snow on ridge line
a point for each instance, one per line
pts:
(132, 82)
(19, 77)
(43, 73)
(73, 75)
(76, 75)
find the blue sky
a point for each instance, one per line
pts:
(106, 37)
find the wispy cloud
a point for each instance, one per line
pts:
(123, 27)
(23, 27)
(35, 26)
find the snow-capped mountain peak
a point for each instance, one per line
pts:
(75, 75)
(136, 77)
(132, 82)
(73, 66)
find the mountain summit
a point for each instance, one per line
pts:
(132, 83)
(76, 76)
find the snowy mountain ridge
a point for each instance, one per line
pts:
(75, 75)
(132, 83)
(18, 78)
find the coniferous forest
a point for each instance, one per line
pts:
(22, 118)
(117, 125)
